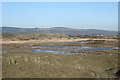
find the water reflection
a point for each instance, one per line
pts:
(81, 42)
(54, 52)
(75, 47)
(92, 48)
(45, 51)
(3, 51)
(67, 50)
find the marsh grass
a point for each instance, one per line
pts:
(58, 66)
(20, 62)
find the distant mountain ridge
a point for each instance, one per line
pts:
(69, 31)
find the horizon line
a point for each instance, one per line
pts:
(58, 27)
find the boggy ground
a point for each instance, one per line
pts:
(20, 62)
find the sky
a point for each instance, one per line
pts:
(81, 15)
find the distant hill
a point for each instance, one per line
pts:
(69, 31)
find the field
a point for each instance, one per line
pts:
(20, 61)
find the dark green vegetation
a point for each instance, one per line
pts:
(69, 31)
(20, 62)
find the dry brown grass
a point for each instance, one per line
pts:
(54, 40)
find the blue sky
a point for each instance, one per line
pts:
(82, 15)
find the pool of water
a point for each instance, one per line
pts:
(49, 47)
(81, 42)
(76, 42)
(75, 47)
(3, 51)
(45, 51)
(92, 48)
(54, 52)
(53, 47)
(67, 49)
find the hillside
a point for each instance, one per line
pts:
(69, 31)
